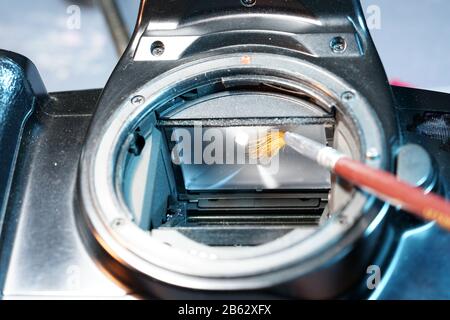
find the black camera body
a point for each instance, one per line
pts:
(70, 178)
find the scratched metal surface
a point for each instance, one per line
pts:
(41, 252)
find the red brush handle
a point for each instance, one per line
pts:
(389, 188)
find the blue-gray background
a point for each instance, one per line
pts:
(413, 38)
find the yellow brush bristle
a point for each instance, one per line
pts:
(268, 146)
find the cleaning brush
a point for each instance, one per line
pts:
(382, 184)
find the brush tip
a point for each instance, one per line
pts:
(267, 146)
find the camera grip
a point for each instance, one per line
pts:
(20, 89)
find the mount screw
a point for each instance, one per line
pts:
(338, 45)
(157, 48)
(117, 222)
(137, 100)
(372, 154)
(248, 3)
(347, 96)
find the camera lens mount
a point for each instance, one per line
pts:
(323, 257)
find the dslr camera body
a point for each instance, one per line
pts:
(94, 205)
